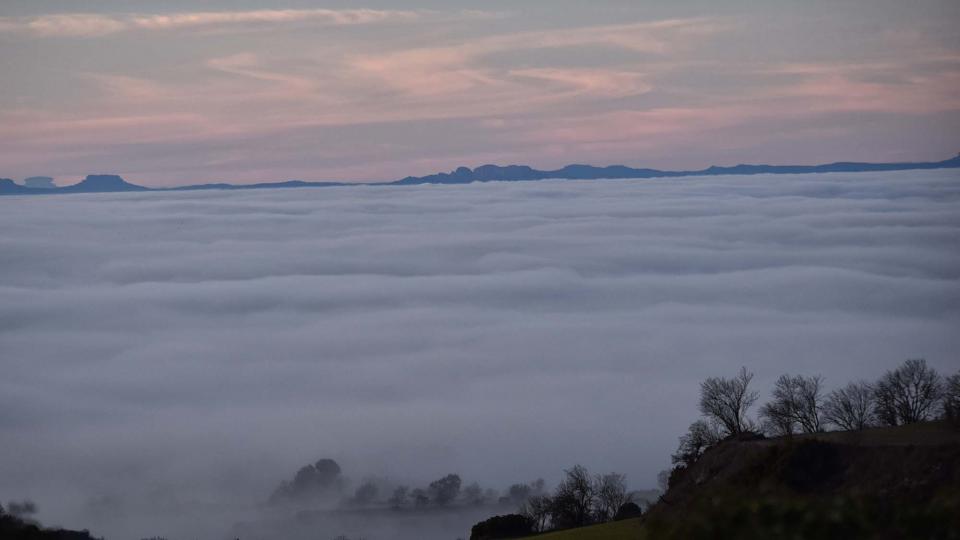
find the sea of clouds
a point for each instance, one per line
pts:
(178, 354)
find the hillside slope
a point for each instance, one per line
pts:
(884, 483)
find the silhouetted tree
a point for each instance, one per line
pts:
(726, 401)
(796, 402)
(907, 394)
(611, 493)
(319, 478)
(574, 498)
(851, 407)
(700, 436)
(951, 398)
(446, 489)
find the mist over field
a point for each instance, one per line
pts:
(168, 358)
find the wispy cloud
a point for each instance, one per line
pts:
(456, 68)
(93, 25)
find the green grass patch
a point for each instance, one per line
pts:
(615, 530)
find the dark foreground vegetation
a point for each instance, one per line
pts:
(891, 471)
(15, 524)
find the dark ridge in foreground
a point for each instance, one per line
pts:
(489, 173)
(883, 483)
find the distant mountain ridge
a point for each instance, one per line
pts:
(109, 183)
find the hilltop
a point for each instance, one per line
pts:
(880, 483)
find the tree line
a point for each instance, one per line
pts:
(911, 393)
(580, 499)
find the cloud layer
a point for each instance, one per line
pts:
(174, 351)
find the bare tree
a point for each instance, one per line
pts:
(611, 492)
(951, 398)
(698, 438)
(537, 509)
(850, 407)
(727, 401)
(797, 401)
(908, 394)
(574, 499)
(777, 419)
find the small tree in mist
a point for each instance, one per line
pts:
(797, 402)
(727, 400)
(700, 436)
(851, 407)
(611, 493)
(445, 490)
(318, 479)
(908, 394)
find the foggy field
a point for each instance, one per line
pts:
(168, 358)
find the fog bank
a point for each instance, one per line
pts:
(168, 358)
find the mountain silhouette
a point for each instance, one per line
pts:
(9, 187)
(514, 173)
(102, 183)
(108, 183)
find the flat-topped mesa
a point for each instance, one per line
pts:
(9, 187)
(103, 183)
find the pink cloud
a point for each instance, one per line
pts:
(92, 25)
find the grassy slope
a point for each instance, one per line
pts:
(616, 530)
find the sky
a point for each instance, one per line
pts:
(180, 92)
(168, 357)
